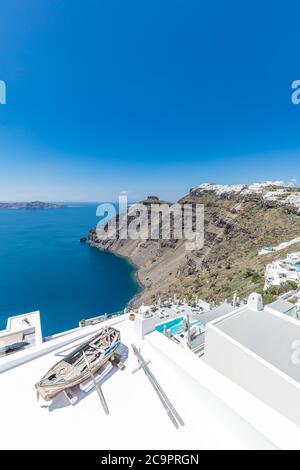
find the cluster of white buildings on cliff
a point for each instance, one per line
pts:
(279, 191)
(281, 271)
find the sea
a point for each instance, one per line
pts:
(43, 266)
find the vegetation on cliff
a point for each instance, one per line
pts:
(237, 226)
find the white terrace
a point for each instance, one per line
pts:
(22, 331)
(218, 413)
(259, 349)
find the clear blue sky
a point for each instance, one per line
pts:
(146, 96)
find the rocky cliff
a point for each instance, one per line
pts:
(239, 221)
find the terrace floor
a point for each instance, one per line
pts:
(137, 419)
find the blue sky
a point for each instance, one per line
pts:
(149, 97)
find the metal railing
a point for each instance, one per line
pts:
(100, 318)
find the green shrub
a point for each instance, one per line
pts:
(293, 285)
(248, 274)
(256, 278)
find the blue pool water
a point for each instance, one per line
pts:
(297, 267)
(176, 326)
(45, 267)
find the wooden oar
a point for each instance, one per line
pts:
(99, 391)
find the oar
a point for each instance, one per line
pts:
(99, 391)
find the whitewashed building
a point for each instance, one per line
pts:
(242, 394)
(284, 270)
(259, 349)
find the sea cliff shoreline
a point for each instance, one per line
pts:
(238, 219)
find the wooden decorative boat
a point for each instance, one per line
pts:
(73, 369)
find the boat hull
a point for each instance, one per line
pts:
(49, 391)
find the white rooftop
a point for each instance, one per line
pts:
(267, 335)
(282, 306)
(260, 351)
(218, 414)
(19, 326)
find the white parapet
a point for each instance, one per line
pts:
(145, 321)
(19, 329)
(260, 352)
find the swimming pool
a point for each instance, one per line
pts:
(297, 267)
(176, 326)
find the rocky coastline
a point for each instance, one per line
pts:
(33, 205)
(237, 226)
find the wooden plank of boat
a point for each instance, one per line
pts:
(72, 370)
(88, 384)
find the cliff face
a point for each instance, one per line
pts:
(238, 223)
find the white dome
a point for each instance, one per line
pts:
(255, 302)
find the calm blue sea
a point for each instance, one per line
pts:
(43, 266)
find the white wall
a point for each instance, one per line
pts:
(26, 355)
(256, 376)
(143, 326)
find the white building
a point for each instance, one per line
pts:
(293, 258)
(244, 394)
(259, 349)
(22, 331)
(281, 271)
(284, 307)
